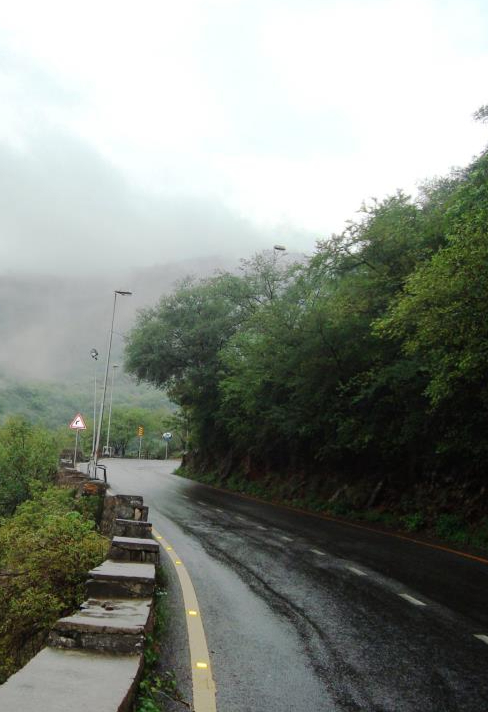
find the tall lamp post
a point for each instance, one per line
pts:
(276, 249)
(110, 409)
(123, 293)
(94, 355)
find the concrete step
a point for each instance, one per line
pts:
(134, 549)
(75, 680)
(133, 528)
(111, 626)
(120, 579)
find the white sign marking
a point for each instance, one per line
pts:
(77, 423)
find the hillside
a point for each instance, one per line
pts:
(48, 325)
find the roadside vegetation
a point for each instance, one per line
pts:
(28, 458)
(364, 365)
(48, 541)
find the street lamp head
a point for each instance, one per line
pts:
(115, 365)
(123, 292)
(94, 354)
(281, 248)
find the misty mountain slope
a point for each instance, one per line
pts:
(48, 325)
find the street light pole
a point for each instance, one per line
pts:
(110, 408)
(102, 406)
(276, 249)
(94, 355)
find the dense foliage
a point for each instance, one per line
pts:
(46, 548)
(53, 404)
(28, 455)
(369, 356)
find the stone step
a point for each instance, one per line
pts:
(120, 579)
(75, 680)
(134, 549)
(133, 528)
(111, 626)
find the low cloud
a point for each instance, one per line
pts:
(64, 209)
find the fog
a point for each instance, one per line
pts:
(66, 211)
(48, 325)
(141, 143)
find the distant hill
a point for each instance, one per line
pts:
(48, 325)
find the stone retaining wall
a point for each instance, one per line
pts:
(94, 657)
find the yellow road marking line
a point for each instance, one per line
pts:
(201, 671)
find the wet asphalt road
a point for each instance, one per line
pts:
(306, 614)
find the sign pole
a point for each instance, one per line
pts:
(76, 448)
(140, 446)
(166, 437)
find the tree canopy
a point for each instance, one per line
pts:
(371, 354)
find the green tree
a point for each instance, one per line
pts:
(440, 318)
(27, 454)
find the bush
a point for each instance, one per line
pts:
(413, 522)
(339, 508)
(451, 527)
(46, 549)
(480, 535)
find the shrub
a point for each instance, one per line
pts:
(46, 548)
(451, 527)
(340, 508)
(413, 522)
(480, 535)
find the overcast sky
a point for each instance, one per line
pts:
(137, 133)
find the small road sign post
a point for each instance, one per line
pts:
(167, 437)
(77, 424)
(140, 433)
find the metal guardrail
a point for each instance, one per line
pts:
(104, 469)
(92, 469)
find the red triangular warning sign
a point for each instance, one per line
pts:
(77, 423)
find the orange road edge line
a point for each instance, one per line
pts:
(355, 525)
(201, 670)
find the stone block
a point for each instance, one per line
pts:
(117, 579)
(121, 506)
(134, 549)
(112, 626)
(141, 514)
(133, 528)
